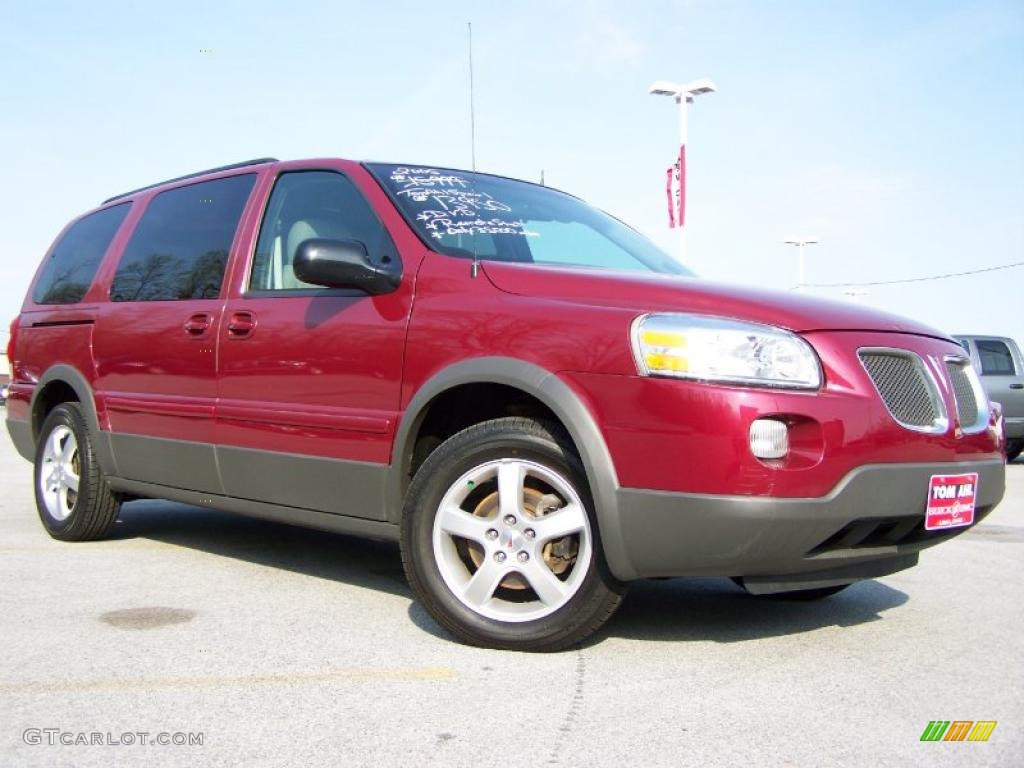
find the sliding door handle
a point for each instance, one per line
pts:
(197, 324)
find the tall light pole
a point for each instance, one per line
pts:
(684, 96)
(800, 242)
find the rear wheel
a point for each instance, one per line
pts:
(818, 593)
(499, 541)
(72, 496)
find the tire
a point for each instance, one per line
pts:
(819, 593)
(1013, 450)
(64, 459)
(478, 553)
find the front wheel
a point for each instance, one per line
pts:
(499, 541)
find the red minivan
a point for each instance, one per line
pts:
(535, 401)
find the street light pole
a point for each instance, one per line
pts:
(800, 243)
(684, 119)
(684, 96)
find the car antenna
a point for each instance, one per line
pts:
(472, 109)
(474, 270)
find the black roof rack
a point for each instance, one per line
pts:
(257, 161)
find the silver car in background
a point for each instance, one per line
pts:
(998, 360)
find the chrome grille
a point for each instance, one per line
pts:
(968, 409)
(907, 390)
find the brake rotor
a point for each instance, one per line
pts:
(559, 554)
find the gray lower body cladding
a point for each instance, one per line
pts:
(21, 436)
(872, 523)
(349, 488)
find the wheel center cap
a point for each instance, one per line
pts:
(512, 540)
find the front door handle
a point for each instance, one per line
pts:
(197, 324)
(1016, 386)
(241, 325)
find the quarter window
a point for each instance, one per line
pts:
(73, 262)
(306, 205)
(180, 247)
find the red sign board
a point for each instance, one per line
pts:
(951, 500)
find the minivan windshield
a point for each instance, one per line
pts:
(493, 218)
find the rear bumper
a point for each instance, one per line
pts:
(872, 523)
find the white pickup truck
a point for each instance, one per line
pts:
(1001, 366)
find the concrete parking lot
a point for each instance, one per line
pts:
(283, 646)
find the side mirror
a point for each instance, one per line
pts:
(342, 264)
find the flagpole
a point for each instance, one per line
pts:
(683, 101)
(684, 95)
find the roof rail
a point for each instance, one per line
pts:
(257, 161)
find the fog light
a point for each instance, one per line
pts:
(769, 439)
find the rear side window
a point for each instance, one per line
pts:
(996, 359)
(180, 247)
(73, 262)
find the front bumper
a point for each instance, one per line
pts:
(872, 523)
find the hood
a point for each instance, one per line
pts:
(669, 293)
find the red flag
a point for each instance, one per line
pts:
(675, 190)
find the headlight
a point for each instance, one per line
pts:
(727, 351)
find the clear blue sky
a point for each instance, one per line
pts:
(892, 130)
